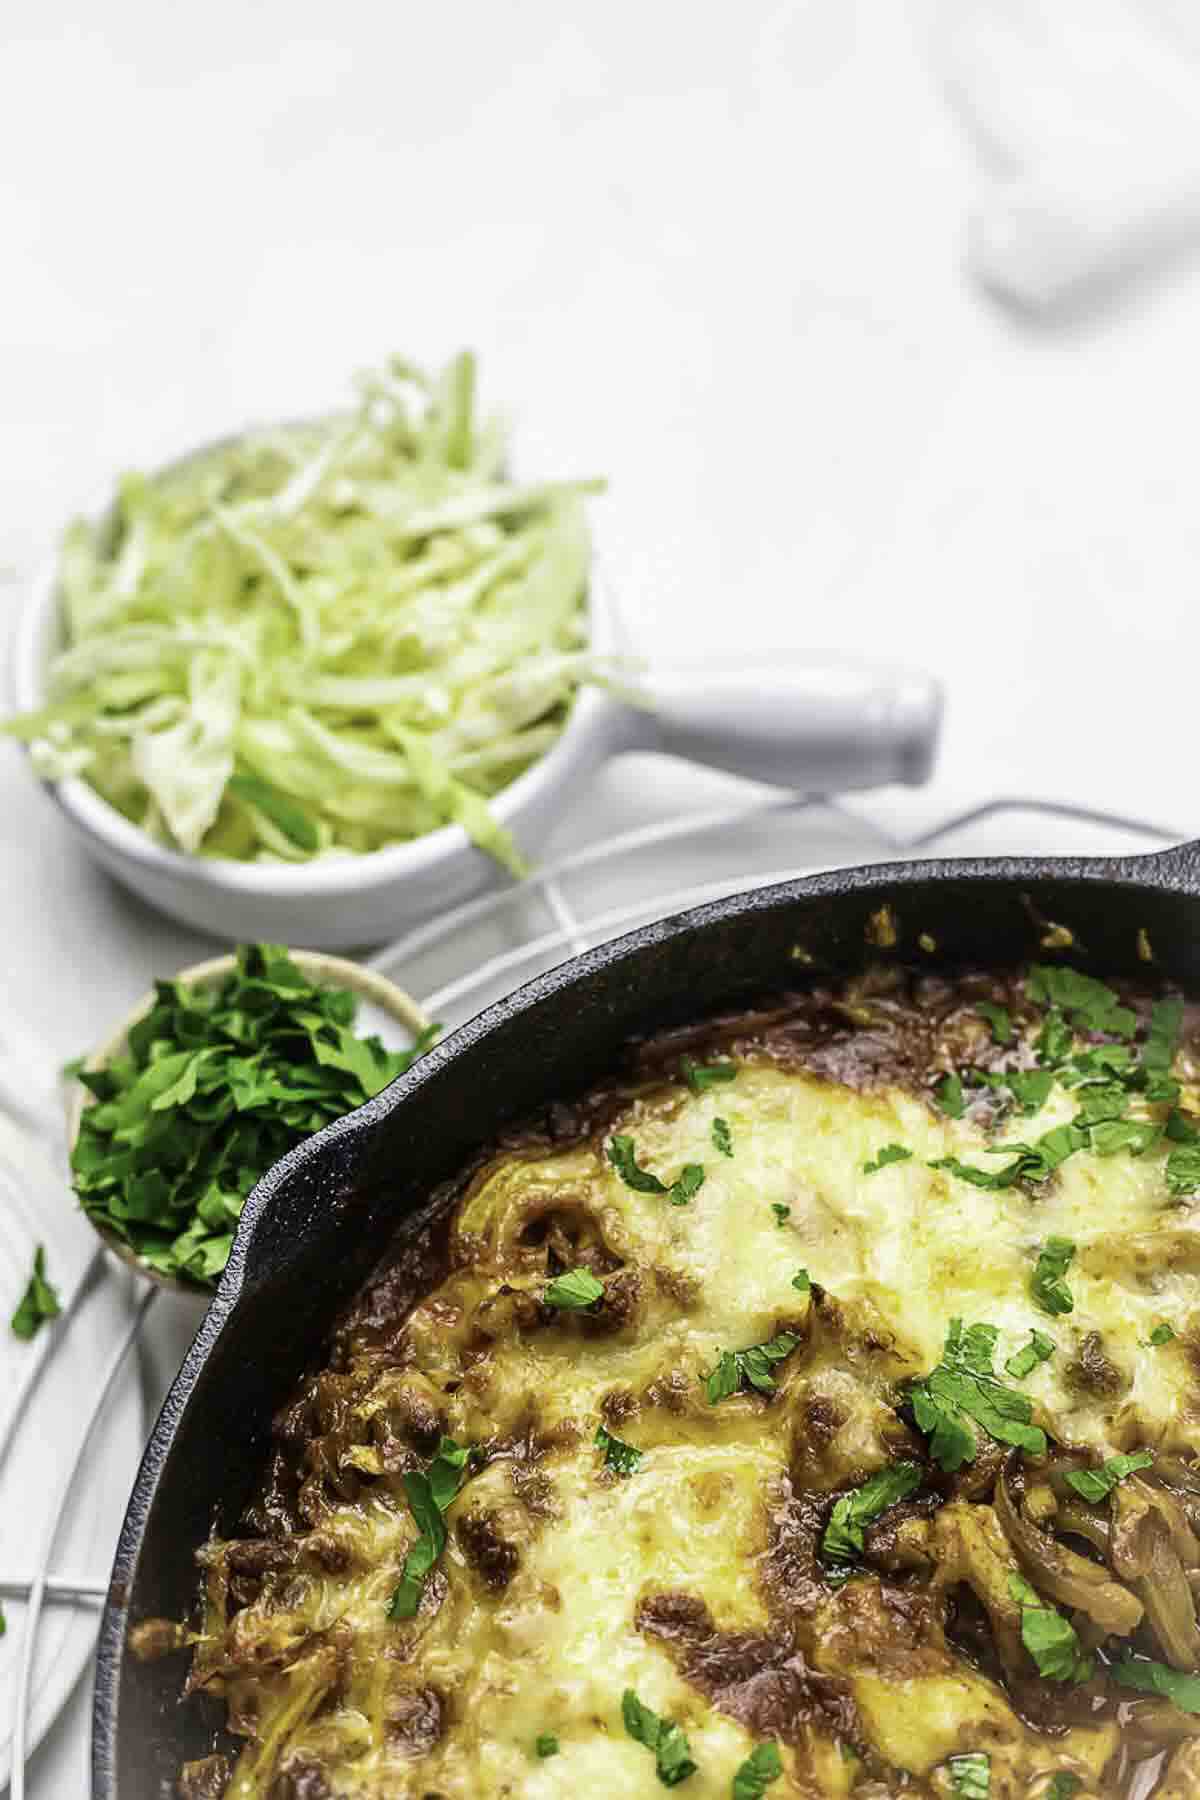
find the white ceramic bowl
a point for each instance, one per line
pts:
(811, 723)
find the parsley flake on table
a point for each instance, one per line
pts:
(622, 1154)
(843, 1539)
(429, 1493)
(891, 1153)
(574, 1291)
(1095, 1485)
(620, 1457)
(1150, 1677)
(700, 1076)
(751, 1367)
(971, 1775)
(38, 1303)
(1049, 1637)
(963, 1392)
(1048, 1284)
(753, 1777)
(672, 1752)
(216, 1085)
(722, 1137)
(1023, 1362)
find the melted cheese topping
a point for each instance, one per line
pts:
(545, 1636)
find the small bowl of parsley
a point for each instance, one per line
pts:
(213, 1078)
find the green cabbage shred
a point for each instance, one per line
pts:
(322, 639)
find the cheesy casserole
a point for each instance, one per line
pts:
(813, 1411)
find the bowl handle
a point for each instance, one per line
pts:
(819, 723)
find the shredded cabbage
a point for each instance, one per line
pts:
(322, 639)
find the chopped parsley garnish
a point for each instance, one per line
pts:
(962, 1392)
(843, 1537)
(1162, 1334)
(971, 1775)
(802, 1281)
(1055, 1040)
(751, 1366)
(1049, 1286)
(672, 1752)
(1150, 1677)
(782, 1213)
(891, 1153)
(1158, 1052)
(1183, 1169)
(722, 1137)
(574, 1291)
(950, 1097)
(1064, 1786)
(705, 1075)
(38, 1303)
(1100, 1063)
(998, 1018)
(546, 1744)
(1030, 1162)
(429, 1493)
(1030, 1088)
(619, 1456)
(1088, 1003)
(755, 1775)
(1050, 1639)
(1097, 1484)
(1023, 1362)
(217, 1084)
(622, 1154)
(1135, 1135)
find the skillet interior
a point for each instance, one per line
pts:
(316, 1224)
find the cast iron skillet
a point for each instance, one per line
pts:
(316, 1224)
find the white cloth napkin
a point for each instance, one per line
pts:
(1086, 118)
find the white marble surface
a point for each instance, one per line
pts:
(714, 253)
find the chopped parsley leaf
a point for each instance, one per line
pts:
(38, 1303)
(802, 1282)
(722, 1137)
(622, 1154)
(1055, 1040)
(672, 1752)
(1030, 1088)
(1048, 1286)
(1064, 1786)
(1183, 1169)
(1023, 1362)
(971, 1775)
(891, 1153)
(962, 1392)
(574, 1291)
(1031, 1162)
(619, 1456)
(1135, 1135)
(429, 1493)
(998, 1018)
(1162, 1334)
(751, 1366)
(1158, 1052)
(752, 1779)
(1097, 1484)
(782, 1213)
(705, 1075)
(950, 1097)
(1050, 1639)
(1150, 1677)
(1089, 1004)
(546, 1744)
(843, 1537)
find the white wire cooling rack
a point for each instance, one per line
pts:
(470, 956)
